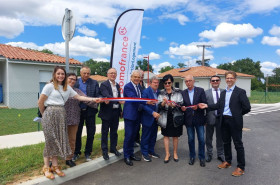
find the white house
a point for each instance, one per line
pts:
(24, 72)
(202, 76)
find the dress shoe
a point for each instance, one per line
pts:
(208, 158)
(221, 159)
(237, 172)
(134, 158)
(191, 161)
(202, 162)
(154, 155)
(88, 158)
(70, 163)
(75, 157)
(116, 152)
(224, 165)
(147, 158)
(105, 156)
(136, 144)
(166, 161)
(128, 161)
(176, 160)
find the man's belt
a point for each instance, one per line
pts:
(227, 117)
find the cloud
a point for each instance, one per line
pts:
(261, 6)
(267, 67)
(161, 39)
(187, 50)
(10, 27)
(229, 34)
(157, 67)
(101, 59)
(154, 56)
(87, 32)
(79, 46)
(272, 41)
(214, 65)
(275, 31)
(182, 19)
(145, 37)
(278, 52)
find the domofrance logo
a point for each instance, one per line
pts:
(122, 31)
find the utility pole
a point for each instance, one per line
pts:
(203, 48)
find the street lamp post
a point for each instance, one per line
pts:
(148, 80)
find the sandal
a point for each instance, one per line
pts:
(57, 170)
(48, 172)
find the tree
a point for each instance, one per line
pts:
(97, 68)
(247, 66)
(46, 51)
(143, 65)
(206, 62)
(181, 65)
(166, 68)
(274, 79)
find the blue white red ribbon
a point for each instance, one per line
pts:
(141, 100)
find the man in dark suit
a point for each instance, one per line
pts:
(233, 104)
(149, 118)
(90, 88)
(110, 113)
(142, 87)
(131, 117)
(213, 121)
(194, 119)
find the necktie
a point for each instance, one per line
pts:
(138, 91)
(217, 97)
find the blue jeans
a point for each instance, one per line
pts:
(201, 142)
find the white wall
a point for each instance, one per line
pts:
(24, 83)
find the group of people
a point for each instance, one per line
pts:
(66, 103)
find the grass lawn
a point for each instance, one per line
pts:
(259, 97)
(16, 121)
(23, 163)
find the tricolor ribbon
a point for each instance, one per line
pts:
(140, 100)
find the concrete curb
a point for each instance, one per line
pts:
(81, 169)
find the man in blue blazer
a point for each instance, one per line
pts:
(131, 117)
(195, 119)
(149, 122)
(110, 113)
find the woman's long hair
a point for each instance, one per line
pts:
(54, 80)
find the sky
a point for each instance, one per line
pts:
(171, 29)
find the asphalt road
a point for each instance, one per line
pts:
(262, 149)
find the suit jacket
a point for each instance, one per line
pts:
(106, 91)
(130, 110)
(194, 116)
(239, 105)
(92, 91)
(147, 118)
(211, 117)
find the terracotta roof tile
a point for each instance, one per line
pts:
(17, 53)
(199, 71)
(98, 78)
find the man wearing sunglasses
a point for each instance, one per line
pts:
(213, 121)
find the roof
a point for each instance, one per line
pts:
(18, 53)
(199, 71)
(98, 78)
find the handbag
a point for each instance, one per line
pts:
(162, 120)
(178, 117)
(39, 113)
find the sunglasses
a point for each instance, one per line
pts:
(215, 80)
(165, 83)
